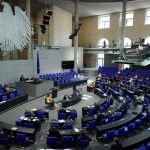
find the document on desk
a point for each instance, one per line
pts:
(34, 119)
(14, 128)
(25, 119)
(61, 121)
(76, 130)
(67, 111)
(34, 109)
(22, 117)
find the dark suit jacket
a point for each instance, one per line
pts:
(62, 110)
(53, 132)
(117, 146)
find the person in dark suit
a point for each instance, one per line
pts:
(22, 78)
(83, 136)
(100, 116)
(116, 145)
(66, 97)
(53, 131)
(62, 110)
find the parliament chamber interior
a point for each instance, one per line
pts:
(75, 74)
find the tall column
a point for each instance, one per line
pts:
(28, 12)
(76, 37)
(124, 5)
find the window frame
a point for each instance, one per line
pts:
(147, 16)
(105, 26)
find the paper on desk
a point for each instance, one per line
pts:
(22, 117)
(61, 121)
(67, 111)
(14, 128)
(76, 130)
(25, 119)
(34, 119)
(33, 109)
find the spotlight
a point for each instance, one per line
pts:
(49, 13)
(46, 22)
(45, 17)
(71, 36)
(43, 27)
(79, 24)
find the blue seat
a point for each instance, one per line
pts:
(52, 142)
(91, 111)
(110, 119)
(137, 123)
(67, 141)
(28, 115)
(57, 126)
(73, 115)
(41, 116)
(1, 91)
(141, 148)
(29, 125)
(143, 119)
(83, 143)
(104, 121)
(120, 132)
(18, 92)
(62, 116)
(148, 146)
(68, 126)
(91, 124)
(109, 135)
(12, 95)
(5, 142)
(118, 116)
(19, 123)
(21, 139)
(4, 98)
(131, 127)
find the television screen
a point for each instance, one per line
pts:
(67, 64)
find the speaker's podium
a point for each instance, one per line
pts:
(54, 93)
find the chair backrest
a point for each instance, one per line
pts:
(19, 123)
(73, 115)
(18, 92)
(41, 115)
(92, 124)
(4, 98)
(4, 141)
(12, 95)
(1, 91)
(21, 138)
(67, 141)
(91, 111)
(52, 142)
(62, 116)
(83, 143)
(28, 115)
(131, 126)
(57, 126)
(68, 126)
(29, 125)
(104, 121)
(110, 135)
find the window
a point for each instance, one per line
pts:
(103, 43)
(147, 16)
(147, 40)
(129, 19)
(103, 21)
(100, 60)
(127, 42)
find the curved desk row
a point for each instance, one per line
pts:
(72, 101)
(137, 140)
(86, 109)
(109, 112)
(8, 128)
(13, 102)
(65, 85)
(115, 125)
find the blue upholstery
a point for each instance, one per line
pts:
(91, 111)
(131, 127)
(137, 123)
(148, 146)
(12, 95)
(18, 92)
(21, 139)
(118, 116)
(104, 121)
(67, 141)
(110, 119)
(1, 91)
(57, 126)
(73, 115)
(4, 98)
(142, 148)
(120, 132)
(109, 135)
(5, 142)
(91, 124)
(62, 116)
(83, 143)
(28, 115)
(68, 126)
(29, 125)
(41, 116)
(19, 123)
(52, 142)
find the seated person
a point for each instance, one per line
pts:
(53, 131)
(142, 98)
(124, 105)
(62, 110)
(5, 135)
(22, 78)
(100, 116)
(66, 97)
(83, 136)
(7, 89)
(27, 111)
(92, 85)
(37, 80)
(48, 98)
(69, 120)
(49, 102)
(116, 145)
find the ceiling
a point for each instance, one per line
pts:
(97, 7)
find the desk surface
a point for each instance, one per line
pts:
(123, 121)
(136, 140)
